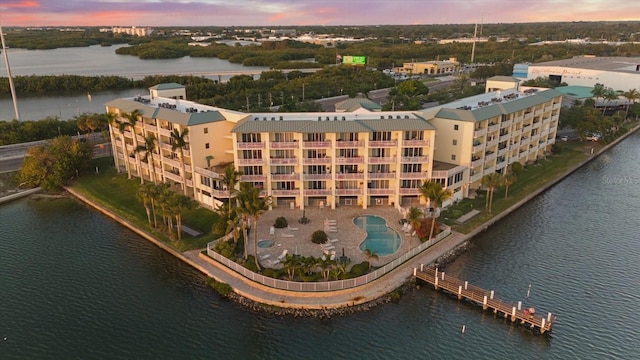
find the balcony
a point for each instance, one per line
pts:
(416, 143)
(172, 176)
(525, 141)
(349, 160)
(501, 165)
(219, 193)
(316, 144)
(348, 191)
(504, 137)
(533, 150)
(383, 143)
(253, 178)
(380, 191)
(476, 177)
(150, 127)
(317, 177)
(382, 160)
(503, 151)
(413, 175)
(382, 175)
(284, 161)
(491, 143)
(414, 159)
(516, 133)
(293, 192)
(480, 132)
(489, 170)
(341, 144)
(350, 176)
(316, 161)
(493, 128)
(207, 172)
(537, 124)
(284, 145)
(258, 161)
(546, 120)
(538, 112)
(292, 176)
(409, 191)
(164, 131)
(250, 145)
(513, 160)
(477, 148)
(489, 157)
(506, 124)
(172, 162)
(477, 162)
(317, 192)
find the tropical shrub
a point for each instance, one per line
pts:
(319, 237)
(281, 223)
(360, 269)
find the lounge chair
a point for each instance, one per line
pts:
(265, 256)
(292, 228)
(283, 255)
(330, 247)
(272, 231)
(331, 229)
(274, 262)
(333, 241)
(288, 235)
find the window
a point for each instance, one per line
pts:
(453, 157)
(454, 142)
(206, 130)
(206, 146)
(455, 127)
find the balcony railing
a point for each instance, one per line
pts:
(382, 160)
(413, 175)
(207, 172)
(506, 124)
(316, 144)
(383, 143)
(414, 159)
(292, 176)
(253, 178)
(415, 143)
(172, 176)
(382, 175)
(479, 132)
(150, 127)
(380, 191)
(348, 191)
(314, 161)
(316, 192)
(250, 145)
(409, 191)
(476, 163)
(219, 193)
(476, 177)
(489, 157)
(349, 144)
(284, 145)
(164, 132)
(284, 161)
(172, 162)
(533, 150)
(493, 142)
(504, 137)
(350, 176)
(493, 128)
(477, 148)
(349, 160)
(317, 176)
(294, 192)
(537, 124)
(259, 161)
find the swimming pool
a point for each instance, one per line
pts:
(263, 244)
(380, 239)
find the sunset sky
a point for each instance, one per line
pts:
(306, 12)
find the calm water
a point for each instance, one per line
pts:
(93, 61)
(380, 239)
(75, 285)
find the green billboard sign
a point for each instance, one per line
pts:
(354, 60)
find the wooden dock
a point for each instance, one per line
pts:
(486, 298)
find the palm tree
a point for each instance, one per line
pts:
(144, 194)
(371, 255)
(609, 95)
(179, 204)
(507, 179)
(325, 264)
(437, 195)
(631, 95)
(598, 91)
(491, 181)
(148, 148)
(132, 120)
(180, 142)
(414, 215)
(254, 206)
(291, 265)
(230, 179)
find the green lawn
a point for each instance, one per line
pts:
(116, 193)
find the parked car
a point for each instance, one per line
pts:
(593, 137)
(564, 138)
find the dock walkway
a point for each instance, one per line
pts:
(464, 290)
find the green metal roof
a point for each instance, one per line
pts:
(353, 104)
(167, 86)
(174, 116)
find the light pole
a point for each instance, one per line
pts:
(303, 91)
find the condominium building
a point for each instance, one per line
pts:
(445, 67)
(488, 132)
(329, 159)
(358, 156)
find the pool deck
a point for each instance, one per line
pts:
(348, 234)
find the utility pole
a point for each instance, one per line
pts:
(11, 87)
(473, 48)
(303, 92)
(247, 103)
